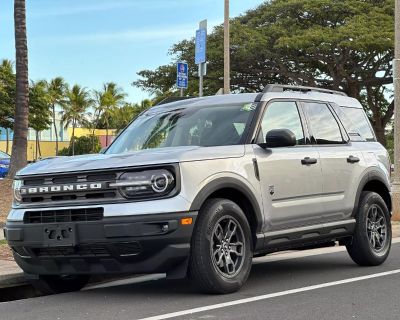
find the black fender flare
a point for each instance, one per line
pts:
(231, 183)
(370, 175)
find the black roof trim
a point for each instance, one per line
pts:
(282, 88)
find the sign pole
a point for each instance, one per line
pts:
(181, 92)
(396, 80)
(201, 85)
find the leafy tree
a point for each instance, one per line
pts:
(39, 112)
(7, 97)
(19, 148)
(56, 90)
(121, 117)
(344, 45)
(108, 100)
(76, 105)
(83, 145)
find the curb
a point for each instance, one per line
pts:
(12, 280)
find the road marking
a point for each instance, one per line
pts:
(270, 296)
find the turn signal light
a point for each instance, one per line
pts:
(186, 221)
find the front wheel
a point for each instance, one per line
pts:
(221, 253)
(372, 237)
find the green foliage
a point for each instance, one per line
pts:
(39, 112)
(344, 45)
(122, 116)
(83, 145)
(110, 98)
(7, 94)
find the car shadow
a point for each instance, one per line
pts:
(271, 274)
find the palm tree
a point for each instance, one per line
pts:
(20, 140)
(56, 89)
(76, 104)
(108, 99)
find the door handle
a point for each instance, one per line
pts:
(308, 161)
(353, 159)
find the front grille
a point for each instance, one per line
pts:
(78, 251)
(68, 215)
(105, 193)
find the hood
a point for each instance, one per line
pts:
(132, 159)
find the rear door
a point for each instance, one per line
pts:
(290, 177)
(342, 162)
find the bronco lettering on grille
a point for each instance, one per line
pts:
(62, 188)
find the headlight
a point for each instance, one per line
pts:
(17, 190)
(146, 184)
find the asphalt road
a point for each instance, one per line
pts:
(322, 284)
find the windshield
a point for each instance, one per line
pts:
(219, 125)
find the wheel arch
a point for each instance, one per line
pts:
(377, 182)
(236, 191)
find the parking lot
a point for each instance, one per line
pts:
(316, 284)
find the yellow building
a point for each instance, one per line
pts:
(48, 144)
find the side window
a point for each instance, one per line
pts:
(282, 115)
(324, 126)
(356, 123)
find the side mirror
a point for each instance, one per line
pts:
(279, 138)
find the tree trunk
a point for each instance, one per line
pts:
(20, 140)
(380, 133)
(7, 141)
(73, 138)
(106, 134)
(38, 142)
(94, 131)
(55, 127)
(36, 145)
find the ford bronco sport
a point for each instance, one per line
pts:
(199, 187)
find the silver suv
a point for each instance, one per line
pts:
(199, 187)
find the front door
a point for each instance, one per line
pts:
(290, 177)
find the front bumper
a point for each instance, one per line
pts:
(126, 245)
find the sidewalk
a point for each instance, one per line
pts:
(11, 275)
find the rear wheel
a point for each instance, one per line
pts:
(221, 254)
(60, 284)
(372, 237)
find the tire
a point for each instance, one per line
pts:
(228, 268)
(366, 248)
(60, 284)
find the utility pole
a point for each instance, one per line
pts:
(227, 62)
(396, 80)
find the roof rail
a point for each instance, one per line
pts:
(172, 99)
(282, 88)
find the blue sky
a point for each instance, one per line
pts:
(90, 42)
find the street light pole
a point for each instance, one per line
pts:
(396, 80)
(227, 62)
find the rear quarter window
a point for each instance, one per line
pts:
(356, 123)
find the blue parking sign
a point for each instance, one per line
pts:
(200, 48)
(182, 75)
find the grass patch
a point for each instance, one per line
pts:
(2, 242)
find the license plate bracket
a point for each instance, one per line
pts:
(59, 235)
